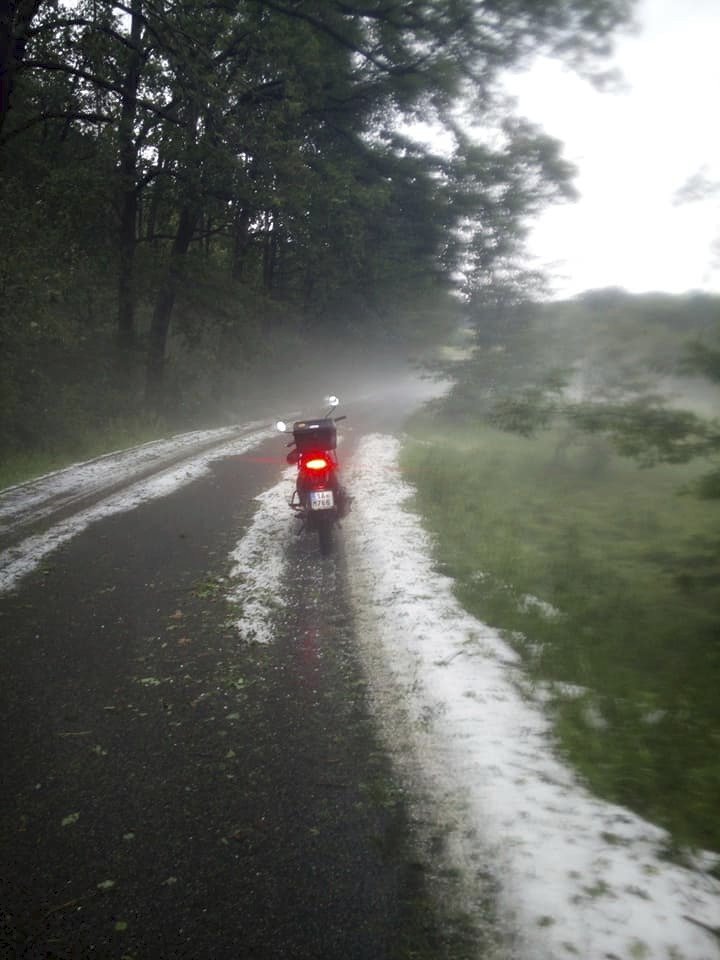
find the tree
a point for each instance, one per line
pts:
(626, 341)
(16, 19)
(261, 137)
(129, 189)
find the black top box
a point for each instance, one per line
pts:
(315, 435)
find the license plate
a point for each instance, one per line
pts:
(321, 500)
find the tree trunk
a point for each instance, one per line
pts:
(154, 206)
(164, 306)
(308, 288)
(15, 21)
(126, 284)
(242, 242)
(269, 253)
(128, 189)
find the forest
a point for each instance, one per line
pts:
(188, 187)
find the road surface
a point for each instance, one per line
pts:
(217, 745)
(170, 791)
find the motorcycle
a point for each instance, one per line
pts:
(319, 500)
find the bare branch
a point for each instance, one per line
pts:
(78, 115)
(162, 112)
(297, 14)
(52, 25)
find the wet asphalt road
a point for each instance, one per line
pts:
(168, 792)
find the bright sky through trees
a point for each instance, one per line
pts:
(635, 150)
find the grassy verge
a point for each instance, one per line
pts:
(627, 637)
(17, 467)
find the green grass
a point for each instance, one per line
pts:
(633, 568)
(17, 467)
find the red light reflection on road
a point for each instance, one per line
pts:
(309, 657)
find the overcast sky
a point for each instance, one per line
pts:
(635, 149)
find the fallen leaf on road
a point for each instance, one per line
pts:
(69, 819)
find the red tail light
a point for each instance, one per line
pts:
(317, 463)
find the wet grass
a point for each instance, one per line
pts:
(627, 633)
(17, 466)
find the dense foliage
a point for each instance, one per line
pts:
(640, 372)
(227, 165)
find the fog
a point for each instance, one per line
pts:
(382, 380)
